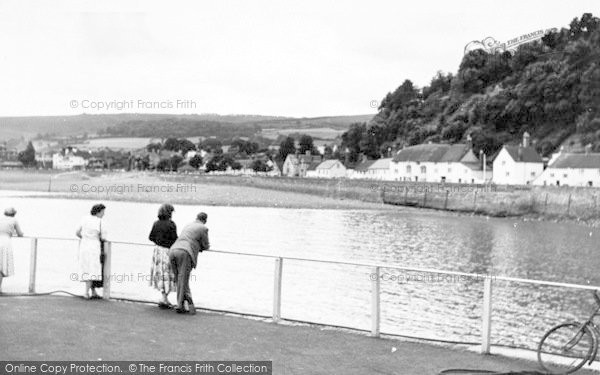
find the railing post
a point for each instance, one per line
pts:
(486, 329)
(32, 264)
(277, 290)
(106, 272)
(375, 301)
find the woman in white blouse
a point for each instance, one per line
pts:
(92, 235)
(8, 227)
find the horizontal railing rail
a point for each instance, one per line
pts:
(376, 268)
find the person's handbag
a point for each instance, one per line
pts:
(102, 241)
(100, 283)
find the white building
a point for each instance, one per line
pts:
(438, 163)
(380, 170)
(360, 170)
(517, 165)
(298, 165)
(68, 160)
(332, 168)
(566, 169)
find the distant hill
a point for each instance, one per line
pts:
(162, 125)
(549, 88)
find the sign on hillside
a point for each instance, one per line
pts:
(491, 45)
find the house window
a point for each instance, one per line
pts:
(423, 169)
(507, 174)
(532, 174)
(565, 175)
(408, 169)
(551, 174)
(449, 170)
(503, 162)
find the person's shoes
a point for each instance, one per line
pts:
(164, 305)
(180, 310)
(192, 309)
(95, 296)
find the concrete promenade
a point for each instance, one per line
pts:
(69, 328)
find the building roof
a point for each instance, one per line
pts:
(364, 165)
(328, 164)
(381, 164)
(578, 161)
(475, 166)
(245, 163)
(303, 158)
(528, 154)
(186, 168)
(313, 166)
(432, 152)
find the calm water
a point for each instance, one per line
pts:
(335, 294)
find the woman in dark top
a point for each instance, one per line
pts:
(163, 234)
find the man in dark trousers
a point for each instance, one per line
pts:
(183, 256)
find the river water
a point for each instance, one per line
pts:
(438, 308)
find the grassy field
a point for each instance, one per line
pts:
(150, 187)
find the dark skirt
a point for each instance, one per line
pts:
(100, 283)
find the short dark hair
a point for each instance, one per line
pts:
(97, 209)
(202, 216)
(165, 211)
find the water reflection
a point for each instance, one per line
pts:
(334, 294)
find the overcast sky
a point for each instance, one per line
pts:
(303, 58)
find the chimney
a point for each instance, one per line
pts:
(526, 137)
(469, 142)
(307, 152)
(588, 148)
(520, 153)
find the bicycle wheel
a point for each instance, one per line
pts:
(565, 348)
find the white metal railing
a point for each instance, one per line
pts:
(486, 318)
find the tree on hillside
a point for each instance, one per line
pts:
(185, 146)
(211, 145)
(305, 144)
(196, 161)
(27, 156)
(351, 141)
(260, 166)
(171, 144)
(154, 147)
(288, 146)
(548, 87)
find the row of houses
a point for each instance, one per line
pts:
(457, 163)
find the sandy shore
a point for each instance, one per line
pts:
(146, 187)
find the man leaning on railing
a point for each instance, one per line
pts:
(183, 256)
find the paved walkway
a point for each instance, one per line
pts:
(68, 328)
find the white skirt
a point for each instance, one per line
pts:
(7, 265)
(89, 260)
